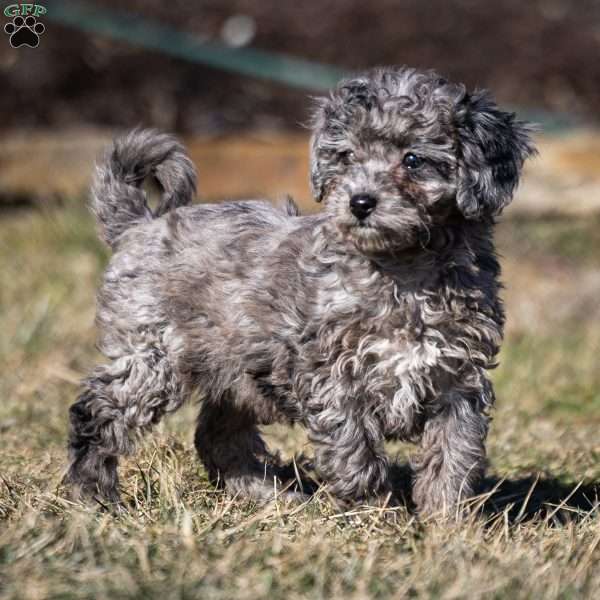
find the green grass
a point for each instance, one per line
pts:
(574, 240)
(535, 533)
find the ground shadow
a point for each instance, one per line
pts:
(522, 499)
(541, 496)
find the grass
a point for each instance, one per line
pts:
(534, 533)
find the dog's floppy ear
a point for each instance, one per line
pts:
(492, 148)
(319, 147)
(317, 181)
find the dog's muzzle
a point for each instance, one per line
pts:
(362, 205)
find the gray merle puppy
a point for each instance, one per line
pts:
(376, 319)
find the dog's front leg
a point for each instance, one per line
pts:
(349, 455)
(452, 459)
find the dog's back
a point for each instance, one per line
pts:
(157, 252)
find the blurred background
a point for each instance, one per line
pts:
(236, 77)
(236, 80)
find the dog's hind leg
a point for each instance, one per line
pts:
(234, 454)
(117, 402)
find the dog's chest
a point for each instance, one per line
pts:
(403, 358)
(392, 349)
(383, 326)
(398, 358)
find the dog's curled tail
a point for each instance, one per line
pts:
(117, 199)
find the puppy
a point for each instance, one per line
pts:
(376, 319)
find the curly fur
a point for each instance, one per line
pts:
(360, 330)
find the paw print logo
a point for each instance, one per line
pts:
(24, 31)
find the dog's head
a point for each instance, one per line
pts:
(396, 151)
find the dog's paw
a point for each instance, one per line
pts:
(436, 512)
(384, 500)
(88, 494)
(293, 497)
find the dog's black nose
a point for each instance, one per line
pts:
(362, 205)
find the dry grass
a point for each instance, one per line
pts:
(535, 531)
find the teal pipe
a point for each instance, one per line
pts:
(272, 66)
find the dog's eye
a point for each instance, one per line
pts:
(346, 156)
(412, 161)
